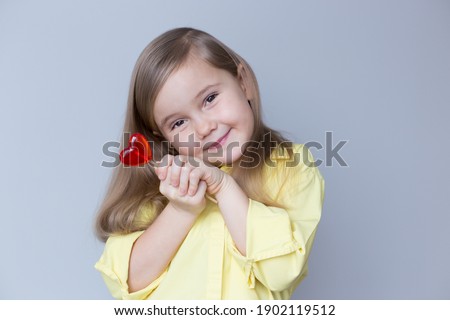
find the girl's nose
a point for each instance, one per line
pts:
(204, 125)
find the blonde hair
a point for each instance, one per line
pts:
(132, 189)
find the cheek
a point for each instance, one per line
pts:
(245, 114)
(234, 112)
(249, 122)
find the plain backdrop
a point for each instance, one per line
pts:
(375, 74)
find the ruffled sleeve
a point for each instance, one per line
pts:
(113, 266)
(279, 240)
(114, 262)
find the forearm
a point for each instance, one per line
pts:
(233, 203)
(156, 247)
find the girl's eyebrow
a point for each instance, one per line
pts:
(201, 93)
(166, 119)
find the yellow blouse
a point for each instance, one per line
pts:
(209, 266)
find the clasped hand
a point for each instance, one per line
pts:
(185, 180)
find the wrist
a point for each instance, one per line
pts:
(182, 212)
(224, 187)
(222, 182)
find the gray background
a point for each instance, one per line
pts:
(374, 73)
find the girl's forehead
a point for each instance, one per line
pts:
(187, 82)
(192, 68)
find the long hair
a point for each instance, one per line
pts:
(133, 190)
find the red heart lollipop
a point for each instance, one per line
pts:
(138, 151)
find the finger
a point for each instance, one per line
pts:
(165, 164)
(158, 172)
(201, 191)
(164, 185)
(184, 180)
(176, 171)
(194, 180)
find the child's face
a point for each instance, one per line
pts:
(204, 112)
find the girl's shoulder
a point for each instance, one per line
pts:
(289, 162)
(289, 172)
(295, 155)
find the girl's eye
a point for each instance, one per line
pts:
(177, 124)
(211, 98)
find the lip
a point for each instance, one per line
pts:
(218, 143)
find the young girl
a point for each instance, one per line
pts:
(198, 104)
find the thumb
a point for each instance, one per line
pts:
(201, 188)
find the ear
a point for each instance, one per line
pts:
(244, 81)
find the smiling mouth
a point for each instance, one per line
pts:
(218, 143)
